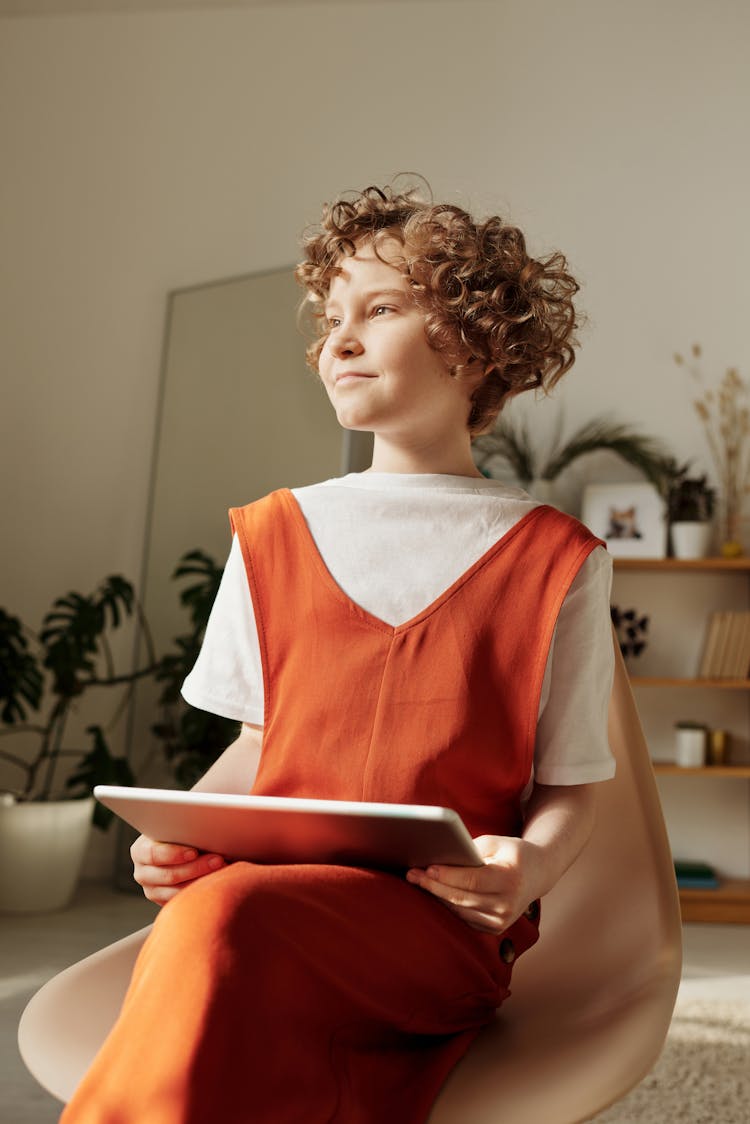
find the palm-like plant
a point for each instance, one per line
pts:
(44, 677)
(512, 442)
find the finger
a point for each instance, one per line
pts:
(147, 874)
(160, 895)
(495, 911)
(471, 878)
(456, 895)
(480, 911)
(484, 922)
(151, 852)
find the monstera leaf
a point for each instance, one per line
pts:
(72, 630)
(21, 678)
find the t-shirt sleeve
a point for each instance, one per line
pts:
(572, 745)
(227, 678)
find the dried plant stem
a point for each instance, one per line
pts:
(725, 416)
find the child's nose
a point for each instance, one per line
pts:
(343, 342)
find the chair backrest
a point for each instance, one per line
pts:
(591, 1001)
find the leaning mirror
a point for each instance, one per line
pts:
(239, 415)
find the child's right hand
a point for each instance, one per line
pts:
(163, 869)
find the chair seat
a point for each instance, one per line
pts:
(591, 1002)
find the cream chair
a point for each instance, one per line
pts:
(591, 1002)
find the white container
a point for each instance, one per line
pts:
(690, 746)
(42, 846)
(691, 540)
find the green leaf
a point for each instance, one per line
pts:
(644, 453)
(70, 633)
(198, 599)
(115, 596)
(513, 443)
(72, 630)
(21, 678)
(99, 766)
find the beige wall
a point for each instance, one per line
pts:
(144, 152)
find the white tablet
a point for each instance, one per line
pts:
(277, 829)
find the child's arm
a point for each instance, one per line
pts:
(163, 869)
(235, 769)
(559, 821)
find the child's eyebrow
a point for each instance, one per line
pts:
(372, 294)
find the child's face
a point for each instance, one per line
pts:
(376, 365)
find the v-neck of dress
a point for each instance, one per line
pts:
(370, 618)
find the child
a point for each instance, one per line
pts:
(416, 634)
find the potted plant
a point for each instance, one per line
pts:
(690, 507)
(631, 628)
(192, 739)
(511, 442)
(45, 816)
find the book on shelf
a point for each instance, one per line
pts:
(726, 650)
(695, 876)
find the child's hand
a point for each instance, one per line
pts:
(489, 897)
(163, 869)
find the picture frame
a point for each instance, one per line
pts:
(631, 518)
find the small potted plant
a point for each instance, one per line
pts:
(631, 628)
(690, 506)
(45, 817)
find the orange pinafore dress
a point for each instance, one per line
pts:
(311, 994)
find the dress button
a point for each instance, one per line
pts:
(532, 913)
(507, 951)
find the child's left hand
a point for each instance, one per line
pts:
(489, 897)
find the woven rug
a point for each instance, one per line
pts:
(703, 1074)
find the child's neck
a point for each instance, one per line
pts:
(443, 461)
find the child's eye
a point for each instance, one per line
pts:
(381, 308)
(333, 321)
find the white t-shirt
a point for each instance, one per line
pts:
(393, 543)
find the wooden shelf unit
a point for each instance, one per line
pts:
(669, 681)
(730, 902)
(728, 905)
(667, 768)
(705, 565)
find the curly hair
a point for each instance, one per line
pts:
(481, 292)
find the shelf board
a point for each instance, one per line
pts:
(729, 904)
(668, 768)
(669, 681)
(695, 564)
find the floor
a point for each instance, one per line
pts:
(34, 947)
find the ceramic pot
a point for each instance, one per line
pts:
(691, 540)
(42, 846)
(690, 746)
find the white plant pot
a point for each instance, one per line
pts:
(691, 540)
(690, 747)
(42, 845)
